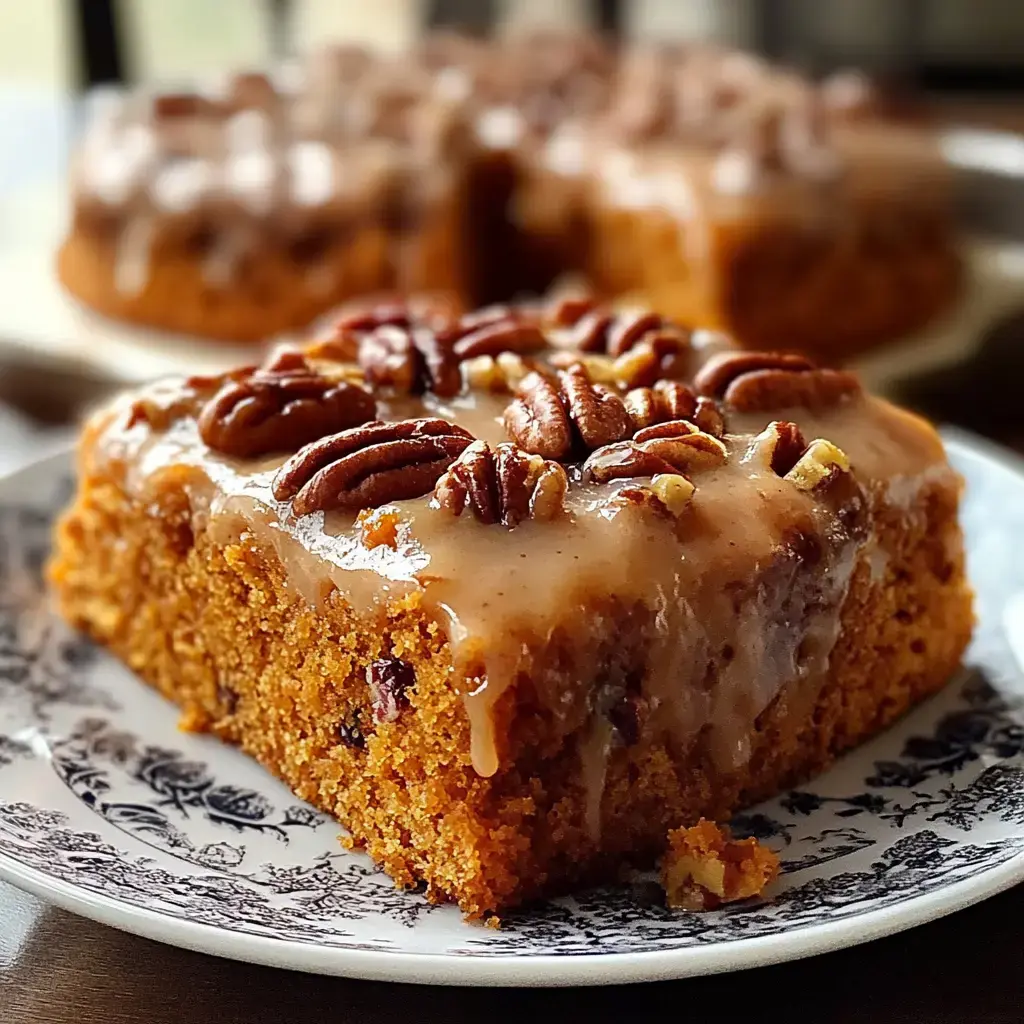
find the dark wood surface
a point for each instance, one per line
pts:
(59, 969)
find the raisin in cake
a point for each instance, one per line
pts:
(723, 190)
(510, 610)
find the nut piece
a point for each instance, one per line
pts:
(777, 447)
(673, 490)
(599, 414)
(552, 417)
(280, 407)
(410, 360)
(537, 420)
(507, 334)
(673, 447)
(601, 368)
(763, 381)
(370, 465)
(821, 461)
(666, 400)
(503, 485)
(569, 310)
(503, 372)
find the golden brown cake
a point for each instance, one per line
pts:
(510, 610)
(720, 189)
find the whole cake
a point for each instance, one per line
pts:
(722, 190)
(511, 610)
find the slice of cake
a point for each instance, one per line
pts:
(510, 610)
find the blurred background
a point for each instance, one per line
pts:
(962, 60)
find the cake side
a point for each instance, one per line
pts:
(507, 706)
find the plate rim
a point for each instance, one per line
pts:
(542, 970)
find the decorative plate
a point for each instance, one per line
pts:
(107, 810)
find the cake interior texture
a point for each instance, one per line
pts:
(702, 180)
(507, 709)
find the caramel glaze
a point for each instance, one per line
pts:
(740, 598)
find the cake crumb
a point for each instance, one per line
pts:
(705, 867)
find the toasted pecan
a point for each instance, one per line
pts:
(552, 417)
(370, 465)
(676, 446)
(762, 381)
(503, 484)
(280, 407)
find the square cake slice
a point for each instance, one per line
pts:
(512, 611)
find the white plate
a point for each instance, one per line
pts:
(107, 810)
(40, 322)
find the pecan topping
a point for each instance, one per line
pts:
(370, 465)
(674, 447)
(503, 485)
(495, 331)
(820, 461)
(551, 417)
(762, 381)
(409, 359)
(537, 420)
(503, 372)
(569, 310)
(279, 407)
(666, 400)
(670, 400)
(784, 445)
(599, 414)
(586, 326)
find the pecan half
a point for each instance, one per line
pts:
(552, 417)
(676, 446)
(586, 326)
(569, 310)
(762, 381)
(410, 360)
(370, 465)
(279, 407)
(671, 400)
(503, 485)
(665, 400)
(504, 331)
(537, 420)
(599, 414)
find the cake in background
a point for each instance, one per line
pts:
(726, 191)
